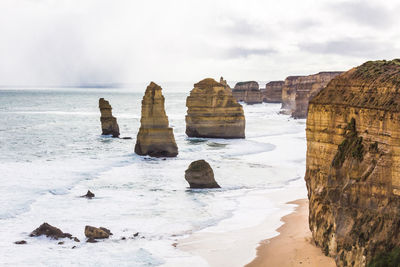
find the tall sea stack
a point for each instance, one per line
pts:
(213, 112)
(109, 125)
(353, 165)
(155, 137)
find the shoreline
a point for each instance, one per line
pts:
(293, 246)
(233, 243)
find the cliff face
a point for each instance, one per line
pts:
(247, 92)
(213, 112)
(353, 164)
(272, 92)
(298, 90)
(109, 123)
(155, 137)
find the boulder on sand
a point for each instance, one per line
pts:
(200, 175)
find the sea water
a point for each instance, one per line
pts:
(52, 152)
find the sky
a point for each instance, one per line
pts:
(67, 42)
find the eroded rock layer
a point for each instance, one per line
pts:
(155, 137)
(353, 164)
(298, 90)
(109, 123)
(213, 112)
(248, 92)
(272, 92)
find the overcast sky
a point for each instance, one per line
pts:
(99, 41)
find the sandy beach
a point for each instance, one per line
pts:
(294, 246)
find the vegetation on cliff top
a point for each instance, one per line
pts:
(351, 146)
(381, 69)
(387, 259)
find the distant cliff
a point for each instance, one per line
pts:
(298, 90)
(353, 164)
(248, 92)
(272, 92)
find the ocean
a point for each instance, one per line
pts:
(52, 152)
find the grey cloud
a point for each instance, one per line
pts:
(364, 13)
(363, 47)
(237, 52)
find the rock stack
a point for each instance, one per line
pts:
(213, 112)
(200, 175)
(248, 92)
(353, 165)
(272, 92)
(109, 123)
(298, 90)
(155, 137)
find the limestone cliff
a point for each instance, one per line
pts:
(272, 92)
(298, 90)
(247, 92)
(353, 164)
(213, 112)
(155, 137)
(109, 123)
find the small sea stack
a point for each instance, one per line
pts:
(155, 137)
(213, 112)
(109, 123)
(200, 175)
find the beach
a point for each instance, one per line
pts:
(294, 245)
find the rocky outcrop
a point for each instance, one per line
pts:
(97, 233)
(247, 92)
(50, 231)
(109, 123)
(272, 92)
(155, 137)
(89, 195)
(223, 82)
(353, 164)
(298, 90)
(200, 175)
(213, 112)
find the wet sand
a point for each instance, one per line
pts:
(294, 245)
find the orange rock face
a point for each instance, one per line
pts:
(298, 90)
(155, 137)
(353, 163)
(213, 112)
(109, 123)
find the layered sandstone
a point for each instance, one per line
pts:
(248, 92)
(353, 164)
(155, 137)
(298, 90)
(213, 112)
(272, 92)
(109, 123)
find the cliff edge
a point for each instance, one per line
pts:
(353, 164)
